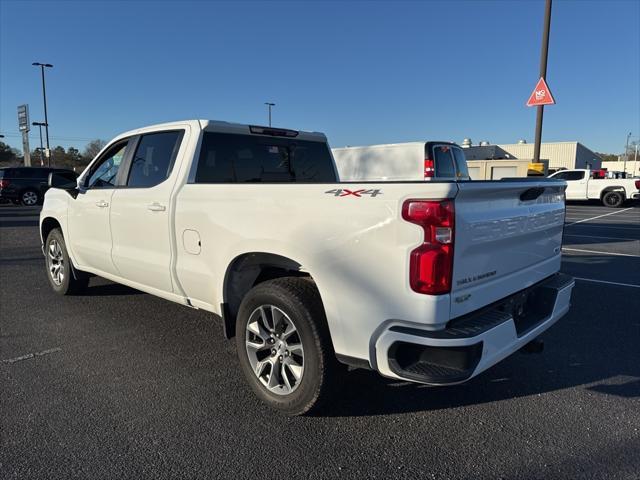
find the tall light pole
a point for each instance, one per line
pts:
(269, 105)
(626, 153)
(44, 97)
(40, 125)
(543, 74)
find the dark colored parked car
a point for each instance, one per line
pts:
(26, 185)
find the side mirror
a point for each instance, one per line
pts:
(65, 181)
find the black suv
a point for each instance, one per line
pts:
(25, 185)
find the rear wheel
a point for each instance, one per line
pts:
(62, 276)
(283, 345)
(29, 198)
(613, 199)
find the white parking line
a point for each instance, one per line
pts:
(31, 355)
(600, 216)
(625, 218)
(600, 253)
(605, 281)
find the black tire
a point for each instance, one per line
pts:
(613, 199)
(29, 198)
(72, 281)
(299, 299)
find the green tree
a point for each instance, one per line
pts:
(9, 156)
(607, 157)
(92, 149)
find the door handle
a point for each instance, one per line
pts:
(102, 204)
(156, 207)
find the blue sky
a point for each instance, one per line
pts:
(362, 72)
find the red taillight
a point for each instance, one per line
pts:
(431, 264)
(4, 183)
(637, 182)
(429, 171)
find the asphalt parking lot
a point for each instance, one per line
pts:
(120, 384)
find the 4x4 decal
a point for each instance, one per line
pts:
(345, 192)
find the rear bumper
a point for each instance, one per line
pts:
(472, 343)
(635, 196)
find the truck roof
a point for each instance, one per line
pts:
(219, 126)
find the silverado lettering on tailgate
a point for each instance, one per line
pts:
(490, 230)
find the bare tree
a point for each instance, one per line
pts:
(92, 149)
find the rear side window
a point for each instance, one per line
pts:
(461, 163)
(153, 161)
(443, 160)
(236, 158)
(570, 175)
(24, 173)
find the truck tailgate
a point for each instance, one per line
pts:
(508, 237)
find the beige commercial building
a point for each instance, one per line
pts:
(567, 155)
(560, 154)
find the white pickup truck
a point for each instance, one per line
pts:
(612, 192)
(428, 282)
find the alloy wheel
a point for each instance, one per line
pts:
(613, 199)
(55, 260)
(29, 198)
(274, 348)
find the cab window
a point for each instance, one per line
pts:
(106, 170)
(569, 175)
(154, 158)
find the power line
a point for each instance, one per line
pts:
(77, 139)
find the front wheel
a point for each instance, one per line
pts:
(283, 345)
(613, 199)
(62, 276)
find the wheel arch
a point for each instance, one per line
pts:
(48, 224)
(248, 270)
(613, 188)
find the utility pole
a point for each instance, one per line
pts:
(543, 74)
(44, 97)
(40, 125)
(269, 105)
(626, 153)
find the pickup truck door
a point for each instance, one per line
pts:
(88, 214)
(140, 211)
(576, 184)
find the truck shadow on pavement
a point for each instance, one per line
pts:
(109, 290)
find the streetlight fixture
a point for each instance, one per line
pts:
(44, 97)
(40, 125)
(269, 105)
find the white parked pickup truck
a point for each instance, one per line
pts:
(429, 282)
(611, 192)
